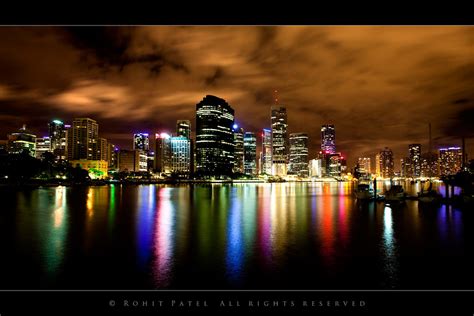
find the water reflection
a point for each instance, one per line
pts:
(389, 249)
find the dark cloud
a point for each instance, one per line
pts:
(380, 86)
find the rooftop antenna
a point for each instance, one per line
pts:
(275, 96)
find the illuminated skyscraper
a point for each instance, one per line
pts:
(415, 158)
(250, 153)
(214, 137)
(22, 140)
(364, 165)
(328, 139)
(386, 163)
(183, 128)
(279, 141)
(141, 142)
(450, 160)
(83, 135)
(57, 136)
(378, 170)
(112, 156)
(315, 168)
(239, 149)
(298, 154)
(429, 165)
(43, 145)
(266, 151)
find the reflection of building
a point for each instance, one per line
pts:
(415, 158)
(57, 135)
(364, 165)
(43, 145)
(214, 137)
(315, 168)
(82, 139)
(239, 149)
(97, 168)
(450, 160)
(328, 139)
(141, 142)
(250, 153)
(266, 151)
(22, 140)
(279, 141)
(298, 154)
(386, 163)
(429, 165)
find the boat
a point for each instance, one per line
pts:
(364, 192)
(395, 194)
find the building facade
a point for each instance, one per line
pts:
(279, 140)
(183, 128)
(82, 139)
(386, 163)
(266, 151)
(97, 169)
(22, 140)
(328, 139)
(43, 145)
(450, 160)
(141, 141)
(364, 165)
(298, 162)
(239, 149)
(57, 135)
(415, 158)
(214, 137)
(250, 153)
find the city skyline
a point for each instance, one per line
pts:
(379, 86)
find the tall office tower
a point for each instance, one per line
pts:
(83, 135)
(334, 164)
(43, 145)
(57, 136)
(214, 137)
(162, 153)
(386, 163)
(279, 141)
(364, 165)
(328, 139)
(250, 153)
(378, 169)
(100, 149)
(180, 151)
(429, 165)
(450, 160)
(298, 154)
(129, 160)
(266, 151)
(239, 149)
(141, 142)
(183, 128)
(22, 140)
(415, 157)
(315, 168)
(112, 156)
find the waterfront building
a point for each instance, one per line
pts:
(364, 165)
(43, 145)
(298, 162)
(57, 136)
(250, 153)
(97, 169)
(130, 161)
(141, 141)
(82, 139)
(239, 149)
(334, 165)
(450, 160)
(315, 168)
(266, 151)
(214, 137)
(429, 165)
(328, 139)
(279, 140)
(112, 157)
(386, 163)
(415, 158)
(22, 140)
(183, 128)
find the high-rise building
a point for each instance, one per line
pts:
(250, 153)
(183, 128)
(82, 139)
(100, 149)
(141, 141)
(279, 141)
(112, 156)
(334, 164)
(22, 140)
(364, 165)
(429, 165)
(415, 158)
(57, 135)
(238, 149)
(328, 139)
(43, 145)
(406, 167)
(131, 161)
(386, 163)
(450, 160)
(315, 168)
(378, 170)
(180, 160)
(298, 154)
(214, 137)
(266, 151)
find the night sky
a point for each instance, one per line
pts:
(380, 86)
